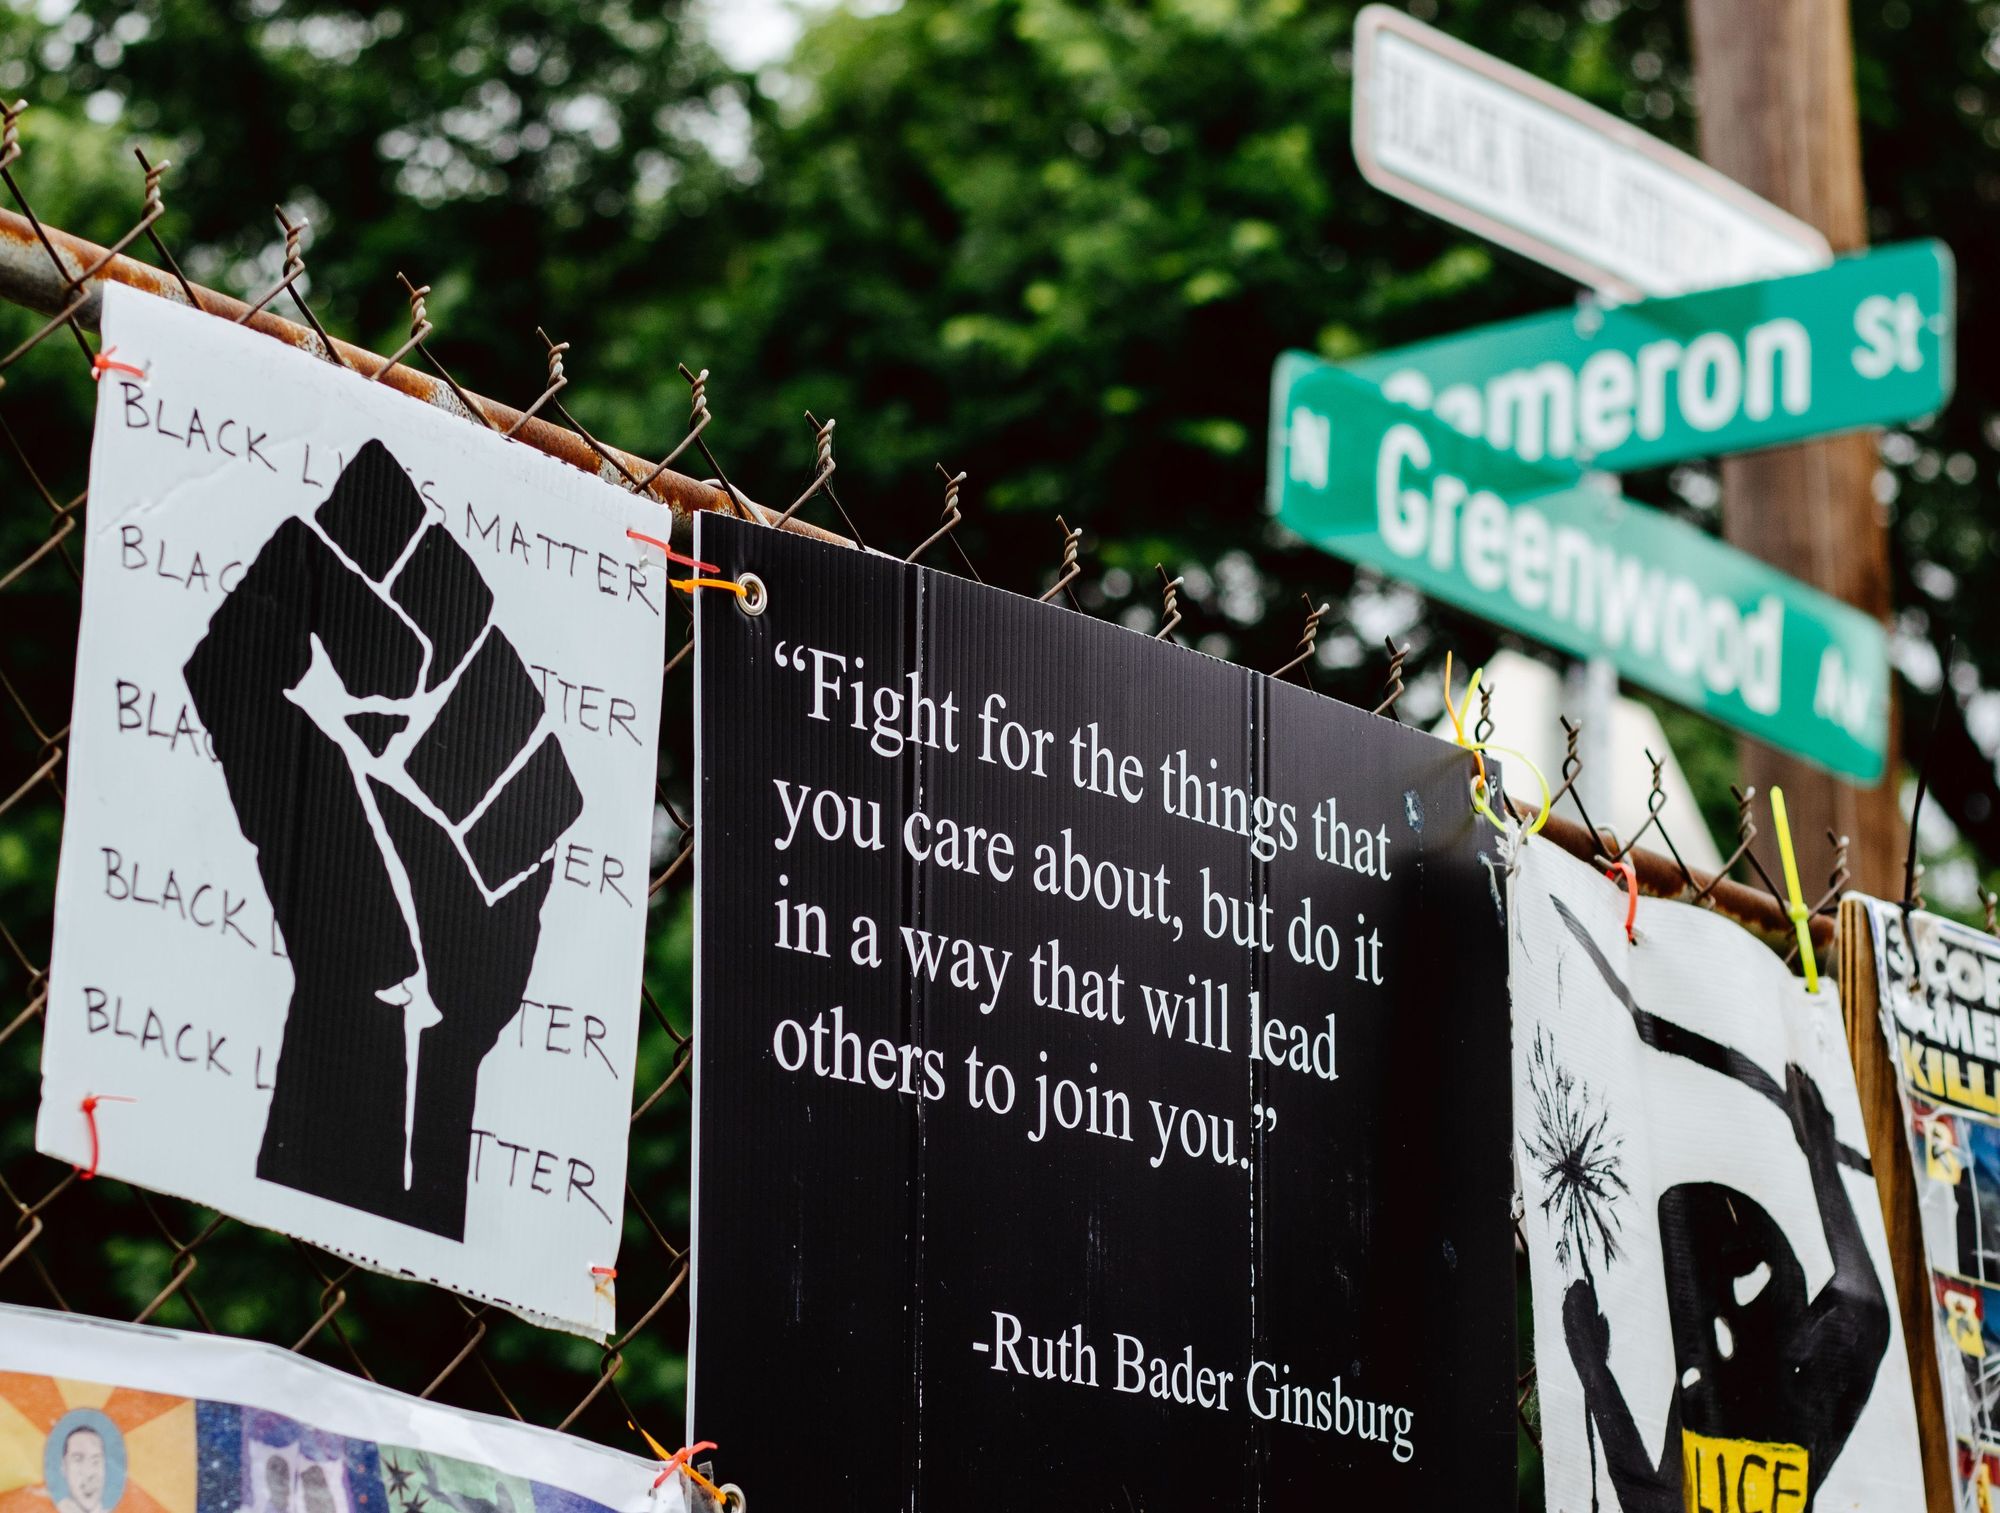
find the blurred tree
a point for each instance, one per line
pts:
(1058, 245)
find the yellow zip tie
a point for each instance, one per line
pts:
(1479, 784)
(1458, 722)
(1800, 914)
(1458, 718)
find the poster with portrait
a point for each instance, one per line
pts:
(351, 899)
(1937, 985)
(1715, 1313)
(97, 1417)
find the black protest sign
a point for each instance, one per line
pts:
(1102, 1067)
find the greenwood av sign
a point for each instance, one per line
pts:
(1530, 546)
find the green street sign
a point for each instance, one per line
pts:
(1867, 341)
(1531, 547)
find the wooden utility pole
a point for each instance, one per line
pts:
(1896, 1183)
(1775, 83)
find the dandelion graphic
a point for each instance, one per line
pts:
(1581, 1165)
(1580, 1162)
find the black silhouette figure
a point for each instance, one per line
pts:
(1755, 1359)
(376, 731)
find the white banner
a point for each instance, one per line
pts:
(351, 905)
(98, 1417)
(1715, 1312)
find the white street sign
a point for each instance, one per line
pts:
(1488, 147)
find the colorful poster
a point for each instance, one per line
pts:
(351, 901)
(1940, 1013)
(97, 1417)
(1715, 1312)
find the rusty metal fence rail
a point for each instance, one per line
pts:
(107, 1248)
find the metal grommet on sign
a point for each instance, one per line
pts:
(755, 597)
(733, 1498)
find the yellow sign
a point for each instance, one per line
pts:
(1741, 1476)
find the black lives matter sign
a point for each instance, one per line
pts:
(1102, 1067)
(351, 905)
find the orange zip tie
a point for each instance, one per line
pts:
(672, 555)
(89, 1107)
(1631, 875)
(685, 584)
(678, 1461)
(101, 363)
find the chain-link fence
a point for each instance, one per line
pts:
(106, 1248)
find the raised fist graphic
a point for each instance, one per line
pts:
(386, 754)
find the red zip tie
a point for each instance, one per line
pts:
(678, 1461)
(1631, 893)
(672, 555)
(101, 362)
(89, 1107)
(610, 1272)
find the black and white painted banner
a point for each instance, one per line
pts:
(353, 879)
(1940, 1012)
(1715, 1313)
(1101, 1093)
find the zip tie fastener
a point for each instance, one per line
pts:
(89, 1107)
(101, 363)
(679, 1461)
(672, 555)
(1631, 875)
(1797, 907)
